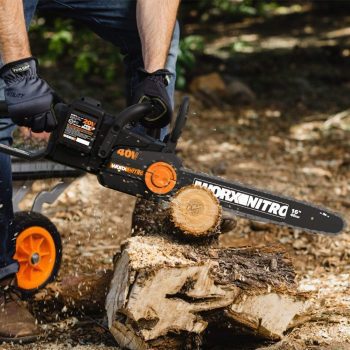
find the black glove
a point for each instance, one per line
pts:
(29, 98)
(152, 87)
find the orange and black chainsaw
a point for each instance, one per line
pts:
(90, 139)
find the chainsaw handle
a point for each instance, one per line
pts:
(16, 152)
(129, 115)
(133, 114)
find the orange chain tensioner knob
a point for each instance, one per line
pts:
(160, 178)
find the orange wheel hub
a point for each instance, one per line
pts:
(36, 255)
(160, 178)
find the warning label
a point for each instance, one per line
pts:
(81, 129)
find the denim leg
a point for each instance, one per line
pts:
(172, 60)
(30, 7)
(171, 66)
(7, 241)
(113, 14)
(8, 265)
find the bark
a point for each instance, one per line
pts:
(74, 295)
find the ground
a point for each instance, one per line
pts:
(289, 138)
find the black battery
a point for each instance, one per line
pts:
(82, 125)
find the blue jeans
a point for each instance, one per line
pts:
(112, 20)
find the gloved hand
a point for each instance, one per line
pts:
(29, 99)
(152, 87)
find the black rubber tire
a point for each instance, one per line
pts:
(26, 219)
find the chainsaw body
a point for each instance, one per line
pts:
(89, 139)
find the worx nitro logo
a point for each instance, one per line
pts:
(126, 169)
(246, 200)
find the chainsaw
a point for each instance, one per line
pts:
(90, 139)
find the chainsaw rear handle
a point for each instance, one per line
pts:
(131, 114)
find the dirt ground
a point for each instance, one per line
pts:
(291, 138)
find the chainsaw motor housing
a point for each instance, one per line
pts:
(84, 129)
(94, 141)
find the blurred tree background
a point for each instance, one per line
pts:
(59, 40)
(86, 62)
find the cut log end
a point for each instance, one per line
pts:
(196, 212)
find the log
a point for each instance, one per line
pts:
(74, 295)
(194, 213)
(164, 294)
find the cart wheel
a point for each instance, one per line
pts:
(38, 251)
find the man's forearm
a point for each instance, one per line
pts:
(14, 43)
(156, 21)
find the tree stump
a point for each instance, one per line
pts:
(164, 294)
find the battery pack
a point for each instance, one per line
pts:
(82, 125)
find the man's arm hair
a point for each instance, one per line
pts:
(14, 43)
(156, 21)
